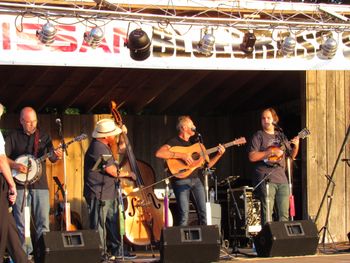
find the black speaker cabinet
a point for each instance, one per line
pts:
(190, 244)
(69, 247)
(291, 238)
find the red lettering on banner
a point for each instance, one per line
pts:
(118, 34)
(6, 40)
(28, 35)
(64, 41)
(85, 46)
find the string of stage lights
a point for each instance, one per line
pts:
(313, 17)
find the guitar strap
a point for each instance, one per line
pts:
(36, 143)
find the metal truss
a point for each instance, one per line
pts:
(210, 13)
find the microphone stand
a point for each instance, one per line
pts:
(267, 199)
(235, 212)
(26, 208)
(207, 171)
(65, 153)
(284, 141)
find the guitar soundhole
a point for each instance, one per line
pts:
(195, 156)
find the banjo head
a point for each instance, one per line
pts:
(34, 171)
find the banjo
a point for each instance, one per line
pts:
(35, 164)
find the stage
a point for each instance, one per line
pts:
(328, 253)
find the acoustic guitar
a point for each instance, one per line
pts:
(199, 154)
(274, 159)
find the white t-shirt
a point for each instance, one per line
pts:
(2, 145)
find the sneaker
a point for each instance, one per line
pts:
(127, 255)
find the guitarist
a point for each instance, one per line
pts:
(30, 140)
(192, 184)
(265, 151)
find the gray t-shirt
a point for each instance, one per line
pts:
(97, 183)
(261, 141)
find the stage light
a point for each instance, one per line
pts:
(329, 47)
(47, 33)
(206, 44)
(139, 44)
(248, 42)
(288, 46)
(94, 37)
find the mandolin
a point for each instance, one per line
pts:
(199, 154)
(276, 158)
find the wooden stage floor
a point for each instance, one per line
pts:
(334, 253)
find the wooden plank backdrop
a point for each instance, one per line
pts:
(323, 107)
(327, 117)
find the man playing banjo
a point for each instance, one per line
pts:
(23, 146)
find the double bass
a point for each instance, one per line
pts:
(144, 212)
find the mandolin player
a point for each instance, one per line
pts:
(267, 151)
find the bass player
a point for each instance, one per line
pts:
(190, 185)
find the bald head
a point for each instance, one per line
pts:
(28, 120)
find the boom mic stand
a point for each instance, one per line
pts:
(330, 197)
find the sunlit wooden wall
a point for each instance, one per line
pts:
(327, 112)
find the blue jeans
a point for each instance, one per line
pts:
(182, 189)
(103, 216)
(38, 202)
(279, 195)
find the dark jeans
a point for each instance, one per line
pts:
(105, 218)
(182, 190)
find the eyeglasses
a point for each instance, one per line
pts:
(29, 122)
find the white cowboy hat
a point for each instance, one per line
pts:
(104, 128)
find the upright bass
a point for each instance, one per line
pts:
(144, 212)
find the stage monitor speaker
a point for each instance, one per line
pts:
(290, 238)
(190, 244)
(69, 247)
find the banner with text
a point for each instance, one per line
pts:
(172, 47)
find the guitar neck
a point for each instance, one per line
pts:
(215, 149)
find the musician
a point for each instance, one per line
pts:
(9, 237)
(30, 140)
(265, 151)
(191, 185)
(101, 186)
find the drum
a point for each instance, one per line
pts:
(34, 170)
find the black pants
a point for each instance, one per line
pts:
(9, 237)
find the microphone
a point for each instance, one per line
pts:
(58, 122)
(277, 127)
(193, 129)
